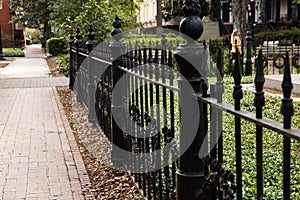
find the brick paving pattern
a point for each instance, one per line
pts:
(39, 157)
(33, 82)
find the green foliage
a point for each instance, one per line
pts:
(153, 39)
(285, 42)
(228, 69)
(296, 1)
(34, 34)
(63, 12)
(172, 9)
(292, 34)
(13, 52)
(56, 46)
(99, 13)
(214, 46)
(63, 64)
(31, 13)
(67, 15)
(272, 146)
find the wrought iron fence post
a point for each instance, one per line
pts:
(237, 96)
(287, 106)
(259, 103)
(287, 111)
(192, 62)
(71, 70)
(248, 56)
(91, 44)
(78, 63)
(116, 49)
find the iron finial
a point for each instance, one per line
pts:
(191, 25)
(117, 31)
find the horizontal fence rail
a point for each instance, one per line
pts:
(273, 51)
(136, 93)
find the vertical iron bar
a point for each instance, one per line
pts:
(287, 111)
(78, 62)
(286, 167)
(142, 140)
(172, 114)
(213, 123)
(158, 138)
(219, 96)
(259, 102)
(127, 129)
(137, 128)
(72, 69)
(91, 43)
(213, 133)
(165, 125)
(153, 138)
(248, 71)
(220, 91)
(146, 96)
(237, 96)
(117, 156)
(134, 102)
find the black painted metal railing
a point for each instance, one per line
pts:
(137, 94)
(274, 50)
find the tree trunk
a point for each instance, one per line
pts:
(239, 16)
(159, 13)
(46, 33)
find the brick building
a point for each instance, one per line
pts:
(13, 35)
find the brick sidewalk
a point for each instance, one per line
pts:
(39, 157)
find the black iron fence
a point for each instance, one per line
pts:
(143, 98)
(273, 50)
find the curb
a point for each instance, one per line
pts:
(79, 164)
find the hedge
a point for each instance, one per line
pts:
(56, 46)
(13, 52)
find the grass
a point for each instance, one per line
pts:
(13, 52)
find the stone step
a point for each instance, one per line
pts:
(273, 82)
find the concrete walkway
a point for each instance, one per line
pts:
(39, 157)
(274, 82)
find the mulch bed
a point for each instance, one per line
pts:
(106, 182)
(4, 63)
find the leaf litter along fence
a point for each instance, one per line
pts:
(136, 94)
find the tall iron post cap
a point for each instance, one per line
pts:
(117, 31)
(191, 25)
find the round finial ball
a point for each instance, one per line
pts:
(117, 33)
(191, 26)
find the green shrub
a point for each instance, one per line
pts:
(56, 46)
(291, 34)
(228, 69)
(63, 64)
(13, 52)
(285, 42)
(34, 35)
(153, 39)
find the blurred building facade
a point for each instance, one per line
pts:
(13, 35)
